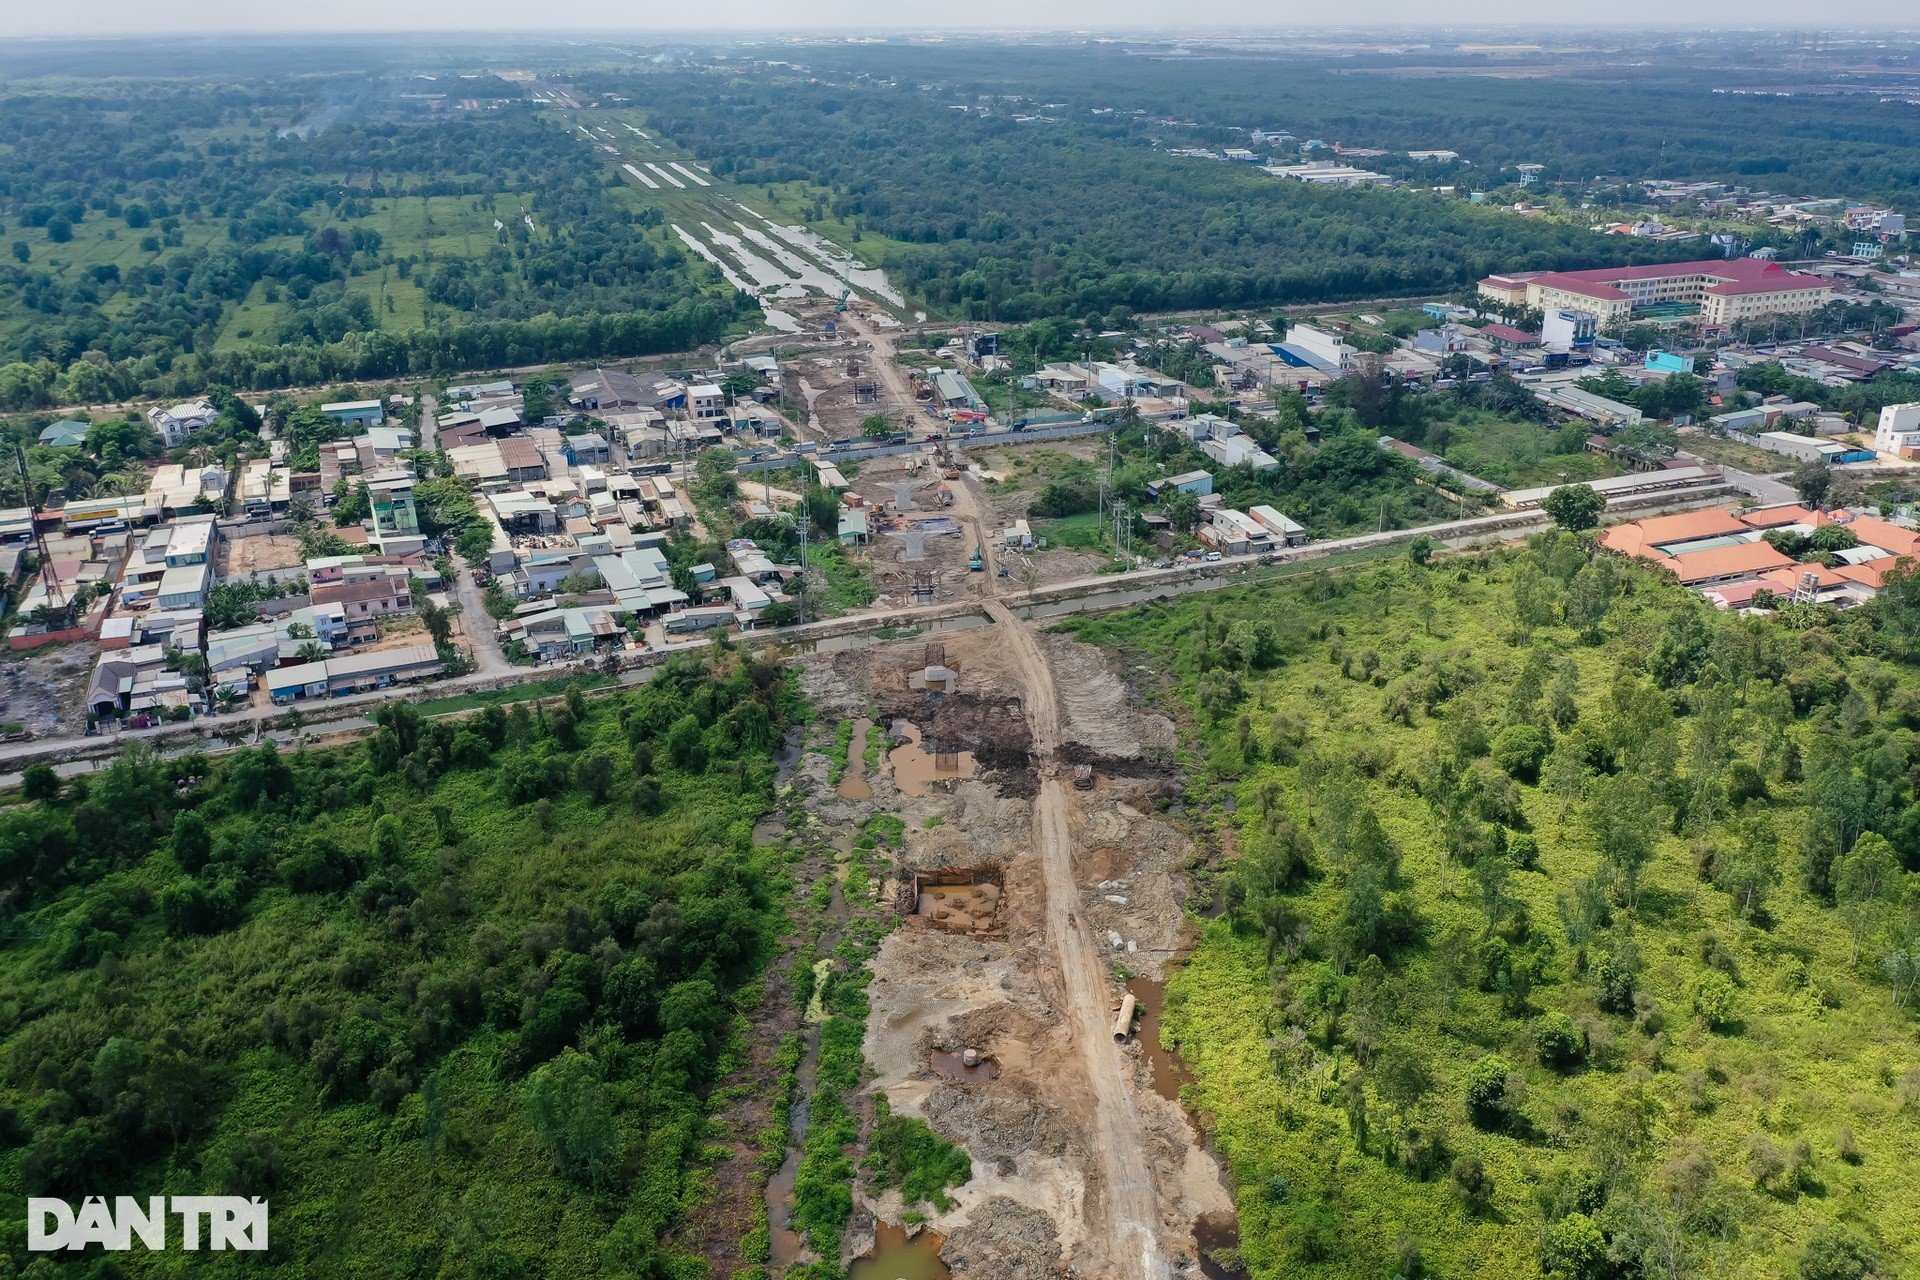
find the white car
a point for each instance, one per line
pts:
(1212, 556)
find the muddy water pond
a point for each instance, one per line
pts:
(853, 783)
(1164, 1067)
(949, 1065)
(1218, 1235)
(916, 769)
(895, 1257)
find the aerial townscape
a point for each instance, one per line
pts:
(910, 650)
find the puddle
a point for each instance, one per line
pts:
(783, 321)
(915, 769)
(1164, 1067)
(895, 1257)
(853, 783)
(1218, 1233)
(835, 259)
(949, 1065)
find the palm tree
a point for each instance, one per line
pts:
(311, 651)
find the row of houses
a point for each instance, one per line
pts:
(1728, 557)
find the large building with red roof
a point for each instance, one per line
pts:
(1724, 553)
(1725, 289)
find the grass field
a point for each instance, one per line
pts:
(1519, 454)
(1735, 453)
(510, 694)
(1745, 1110)
(357, 982)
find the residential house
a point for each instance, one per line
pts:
(175, 423)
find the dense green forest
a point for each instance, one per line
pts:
(287, 232)
(453, 1000)
(1651, 114)
(996, 219)
(1572, 928)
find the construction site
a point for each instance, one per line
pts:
(832, 394)
(1039, 877)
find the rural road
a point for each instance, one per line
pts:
(886, 363)
(1120, 1204)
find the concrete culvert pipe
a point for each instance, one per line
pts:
(1123, 1025)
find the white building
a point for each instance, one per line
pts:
(706, 403)
(1899, 430)
(1328, 351)
(175, 424)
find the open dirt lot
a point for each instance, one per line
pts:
(44, 690)
(916, 530)
(259, 551)
(1040, 1128)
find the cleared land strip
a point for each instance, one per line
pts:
(643, 177)
(668, 176)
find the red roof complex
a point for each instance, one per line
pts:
(1721, 276)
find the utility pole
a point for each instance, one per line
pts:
(806, 581)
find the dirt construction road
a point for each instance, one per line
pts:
(1122, 1213)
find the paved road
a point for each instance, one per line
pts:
(1768, 490)
(429, 422)
(488, 658)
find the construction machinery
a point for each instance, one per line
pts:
(977, 561)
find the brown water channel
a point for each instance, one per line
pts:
(786, 1242)
(853, 783)
(1211, 1233)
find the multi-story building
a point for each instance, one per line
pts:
(1899, 430)
(1725, 290)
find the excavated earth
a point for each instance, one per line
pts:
(1024, 1213)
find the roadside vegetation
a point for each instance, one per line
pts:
(454, 1000)
(1572, 928)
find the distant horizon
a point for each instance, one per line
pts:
(105, 21)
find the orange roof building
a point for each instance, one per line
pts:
(1781, 517)
(1724, 564)
(1645, 538)
(1873, 574)
(1875, 532)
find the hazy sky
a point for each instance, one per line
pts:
(139, 17)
